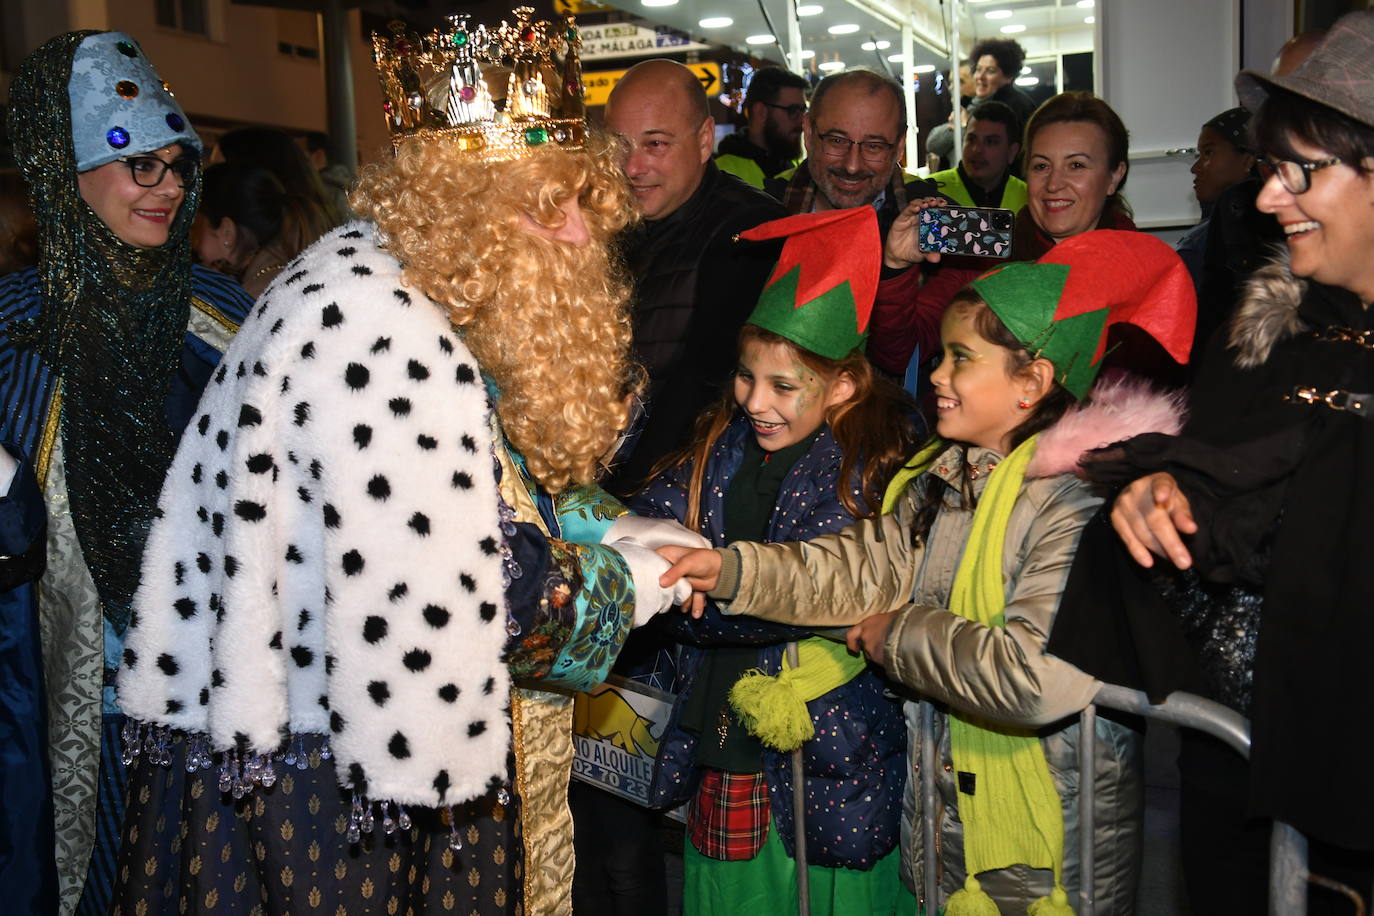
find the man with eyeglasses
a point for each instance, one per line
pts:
(770, 143)
(855, 139)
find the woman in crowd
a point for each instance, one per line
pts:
(1075, 154)
(996, 65)
(1224, 158)
(954, 590)
(250, 227)
(380, 550)
(107, 344)
(1263, 505)
(802, 444)
(275, 150)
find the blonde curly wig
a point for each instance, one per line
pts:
(547, 320)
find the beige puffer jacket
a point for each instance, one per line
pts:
(999, 673)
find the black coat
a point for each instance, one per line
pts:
(1283, 494)
(694, 287)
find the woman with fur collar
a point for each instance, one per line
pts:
(381, 563)
(955, 588)
(1263, 509)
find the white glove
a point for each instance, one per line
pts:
(645, 569)
(652, 533)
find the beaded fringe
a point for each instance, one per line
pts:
(240, 773)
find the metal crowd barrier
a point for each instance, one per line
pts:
(1287, 849)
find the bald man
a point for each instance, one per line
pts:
(694, 285)
(694, 288)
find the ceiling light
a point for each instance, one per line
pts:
(1028, 81)
(923, 68)
(1012, 29)
(1085, 4)
(658, 2)
(1089, 20)
(716, 22)
(808, 54)
(876, 45)
(847, 28)
(831, 65)
(1025, 70)
(764, 39)
(998, 14)
(810, 9)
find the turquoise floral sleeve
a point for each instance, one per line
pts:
(584, 513)
(603, 609)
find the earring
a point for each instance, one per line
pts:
(1023, 404)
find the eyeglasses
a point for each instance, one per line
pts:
(148, 171)
(837, 146)
(792, 111)
(1296, 177)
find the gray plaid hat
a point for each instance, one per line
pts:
(1339, 74)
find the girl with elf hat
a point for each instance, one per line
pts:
(954, 588)
(801, 445)
(106, 346)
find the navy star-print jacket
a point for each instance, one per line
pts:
(856, 765)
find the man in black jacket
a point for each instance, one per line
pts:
(694, 285)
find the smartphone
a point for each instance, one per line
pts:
(982, 232)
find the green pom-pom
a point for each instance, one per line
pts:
(1056, 904)
(971, 901)
(771, 710)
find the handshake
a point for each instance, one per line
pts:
(670, 564)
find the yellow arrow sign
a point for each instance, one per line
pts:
(568, 7)
(599, 83)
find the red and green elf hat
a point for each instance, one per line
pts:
(820, 295)
(1061, 306)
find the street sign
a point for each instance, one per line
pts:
(599, 83)
(628, 39)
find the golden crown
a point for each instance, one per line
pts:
(495, 92)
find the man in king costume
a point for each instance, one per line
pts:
(380, 544)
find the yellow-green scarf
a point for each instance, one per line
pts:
(773, 709)
(1014, 815)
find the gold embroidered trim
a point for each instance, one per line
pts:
(219, 317)
(45, 444)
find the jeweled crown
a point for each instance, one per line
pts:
(495, 92)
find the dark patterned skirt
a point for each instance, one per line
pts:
(284, 849)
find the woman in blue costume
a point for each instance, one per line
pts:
(104, 350)
(375, 578)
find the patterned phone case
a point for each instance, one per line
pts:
(982, 232)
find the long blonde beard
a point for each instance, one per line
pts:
(555, 340)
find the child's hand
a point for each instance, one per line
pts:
(903, 239)
(1150, 515)
(701, 569)
(869, 635)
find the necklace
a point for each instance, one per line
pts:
(264, 271)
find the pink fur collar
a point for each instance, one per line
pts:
(1119, 407)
